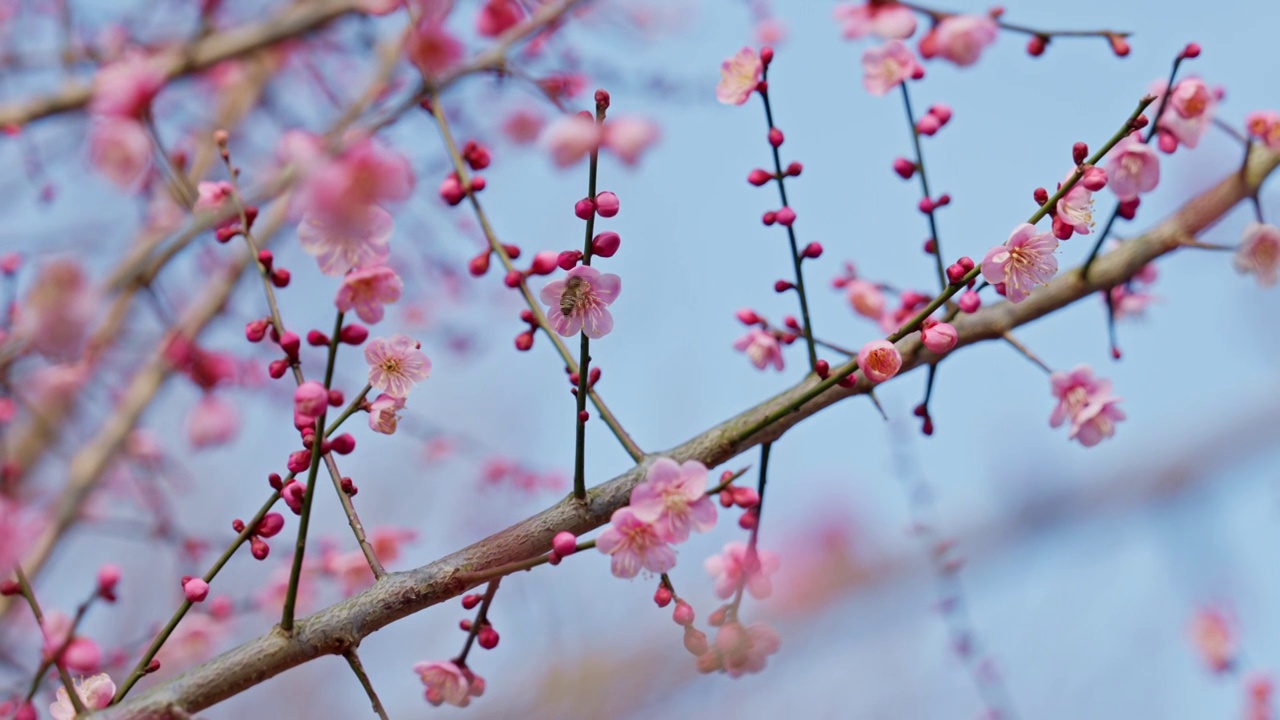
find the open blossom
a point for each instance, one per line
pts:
(18, 528)
(1264, 125)
(581, 301)
(673, 498)
(1214, 636)
(1097, 420)
(885, 67)
(446, 683)
(430, 45)
(341, 247)
(866, 298)
(498, 16)
(739, 76)
(384, 413)
(887, 20)
(194, 640)
(741, 565)
(120, 149)
(879, 360)
(1259, 253)
(338, 191)
(739, 650)
(55, 315)
(1133, 167)
(629, 137)
(761, 347)
(961, 38)
(1073, 391)
(396, 364)
(1024, 261)
(95, 693)
(212, 197)
(126, 87)
(366, 290)
(213, 421)
(634, 544)
(1187, 114)
(1074, 210)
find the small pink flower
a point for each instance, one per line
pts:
(81, 654)
(310, 400)
(1187, 115)
(498, 16)
(634, 544)
(340, 248)
(384, 413)
(1073, 391)
(126, 87)
(1264, 125)
(629, 137)
(673, 498)
(879, 360)
(1213, 634)
(1096, 421)
(95, 694)
(338, 191)
(396, 364)
(738, 650)
(213, 421)
(213, 197)
(522, 126)
(446, 683)
(1133, 168)
(430, 46)
(741, 564)
(961, 38)
(866, 298)
(887, 20)
(1024, 261)
(739, 76)
(581, 302)
(887, 66)
(18, 528)
(939, 337)
(1259, 253)
(55, 315)
(1075, 210)
(366, 290)
(762, 348)
(571, 138)
(120, 149)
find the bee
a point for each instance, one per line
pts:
(574, 288)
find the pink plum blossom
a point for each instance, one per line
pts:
(1214, 635)
(340, 247)
(120, 149)
(396, 364)
(571, 138)
(634, 544)
(739, 650)
(1259, 253)
(885, 67)
(673, 498)
(80, 654)
(366, 290)
(1265, 126)
(213, 421)
(887, 20)
(55, 315)
(1133, 168)
(961, 38)
(95, 694)
(213, 197)
(445, 682)
(1073, 391)
(1024, 261)
(126, 87)
(1097, 420)
(338, 191)
(18, 528)
(739, 76)
(741, 564)
(586, 294)
(879, 360)
(866, 298)
(1187, 114)
(1075, 210)
(629, 137)
(384, 413)
(430, 45)
(761, 347)
(498, 16)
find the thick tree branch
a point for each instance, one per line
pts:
(340, 628)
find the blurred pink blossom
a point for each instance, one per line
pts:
(739, 76)
(1259, 253)
(886, 20)
(887, 66)
(961, 38)
(120, 149)
(741, 565)
(739, 650)
(367, 290)
(761, 347)
(95, 693)
(212, 422)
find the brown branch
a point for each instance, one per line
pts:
(299, 19)
(340, 627)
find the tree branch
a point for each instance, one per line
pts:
(340, 628)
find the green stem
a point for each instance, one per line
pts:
(924, 186)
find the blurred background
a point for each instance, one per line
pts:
(1082, 570)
